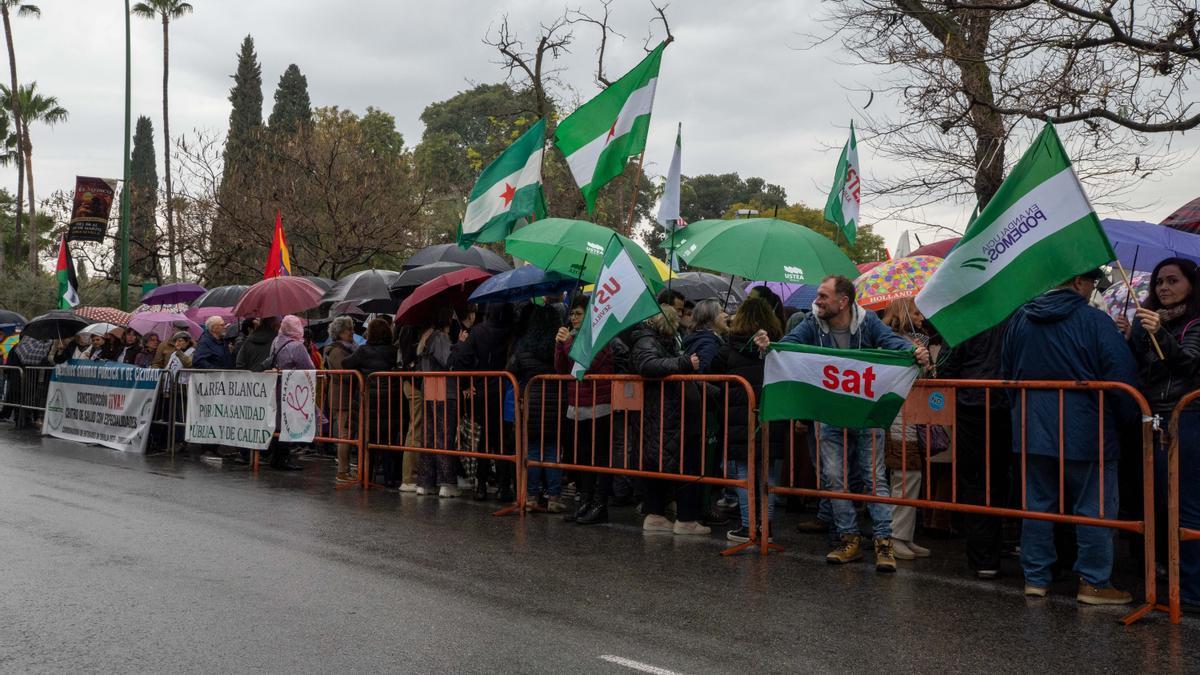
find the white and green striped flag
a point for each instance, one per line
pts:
(850, 388)
(1037, 231)
(602, 134)
(841, 208)
(620, 300)
(509, 189)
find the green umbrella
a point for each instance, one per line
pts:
(574, 248)
(762, 249)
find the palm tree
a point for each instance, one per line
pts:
(166, 10)
(23, 9)
(33, 107)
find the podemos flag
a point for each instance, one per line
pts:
(602, 134)
(620, 300)
(850, 388)
(1037, 231)
(509, 189)
(841, 208)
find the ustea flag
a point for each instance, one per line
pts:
(1037, 231)
(850, 388)
(620, 300)
(841, 208)
(509, 189)
(602, 134)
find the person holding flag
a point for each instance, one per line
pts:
(838, 323)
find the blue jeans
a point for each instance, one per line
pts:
(858, 452)
(1081, 482)
(542, 479)
(737, 470)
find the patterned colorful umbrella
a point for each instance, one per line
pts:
(1116, 295)
(894, 279)
(104, 314)
(1186, 219)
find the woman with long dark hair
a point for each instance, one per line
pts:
(1171, 314)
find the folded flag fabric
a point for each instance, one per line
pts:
(851, 388)
(509, 189)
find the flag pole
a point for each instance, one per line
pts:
(125, 211)
(637, 183)
(1129, 287)
(1128, 290)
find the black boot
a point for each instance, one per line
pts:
(596, 512)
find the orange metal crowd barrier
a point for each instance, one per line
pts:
(339, 399)
(1177, 533)
(545, 403)
(443, 415)
(933, 402)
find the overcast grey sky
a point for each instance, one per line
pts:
(749, 100)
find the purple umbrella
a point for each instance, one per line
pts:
(780, 288)
(163, 324)
(201, 314)
(172, 294)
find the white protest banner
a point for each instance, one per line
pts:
(105, 403)
(298, 406)
(231, 407)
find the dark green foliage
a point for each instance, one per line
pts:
(143, 203)
(293, 108)
(245, 117)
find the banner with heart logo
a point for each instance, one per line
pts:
(298, 406)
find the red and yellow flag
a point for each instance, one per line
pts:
(279, 261)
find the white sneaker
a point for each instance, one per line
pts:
(421, 492)
(901, 551)
(447, 491)
(690, 527)
(656, 524)
(917, 549)
(409, 487)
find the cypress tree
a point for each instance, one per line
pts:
(245, 117)
(292, 105)
(143, 203)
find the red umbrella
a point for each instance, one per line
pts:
(104, 314)
(938, 249)
(451, 288)
(1186, 219)
(863, 268)
(279, 296)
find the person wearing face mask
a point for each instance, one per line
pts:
(1171, 314)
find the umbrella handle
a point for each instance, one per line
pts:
(1129, 287)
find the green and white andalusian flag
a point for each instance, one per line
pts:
(850, 388)
(1037, 231)
(841, 208)
(620, 300)
(599, 138)
(509, 189)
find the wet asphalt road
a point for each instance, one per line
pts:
(114, 563)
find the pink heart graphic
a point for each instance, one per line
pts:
(297, 399)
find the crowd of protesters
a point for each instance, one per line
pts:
(1060, 335)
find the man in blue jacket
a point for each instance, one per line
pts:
(1058, 336)
(212, 351)
(838, 322)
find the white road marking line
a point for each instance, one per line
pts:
(636, 665)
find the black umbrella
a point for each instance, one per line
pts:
(697, 286)
(221, 296)
(8, 318)
(472, 257)
(56, 325)
(367, 289)
(411, 278)
(321, 282)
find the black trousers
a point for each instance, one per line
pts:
(984, 533)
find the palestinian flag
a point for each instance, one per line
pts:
(509, 189)
(841, 208)
(849, 388)
(620, 300)
(601, 135)
(68, 285)
(1037, 231)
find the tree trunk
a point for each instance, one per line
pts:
(33, 233)
(171, 252)
(16, 113)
